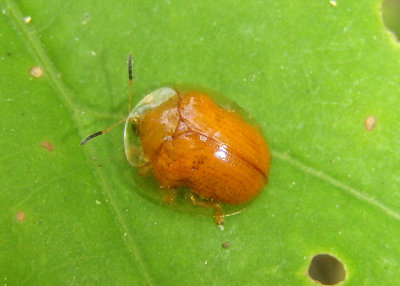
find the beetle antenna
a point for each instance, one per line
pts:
(98, 133)
(91, 136)
(130, 75)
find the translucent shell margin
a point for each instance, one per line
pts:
(133, 147)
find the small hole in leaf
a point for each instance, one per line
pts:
(391, 16)
(326, 270)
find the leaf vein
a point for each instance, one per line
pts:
(336, 183)
(39, 54)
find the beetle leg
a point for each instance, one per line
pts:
(218, 214)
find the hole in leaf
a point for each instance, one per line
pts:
(391, 16)
(326, 270)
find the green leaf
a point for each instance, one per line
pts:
(309, 72)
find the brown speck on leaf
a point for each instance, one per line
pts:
(225, 245)
(369, 123)
(47, 145)
(36, 72)
(20, 216)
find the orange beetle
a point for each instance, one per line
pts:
(187, 140)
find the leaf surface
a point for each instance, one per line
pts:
(309, 73)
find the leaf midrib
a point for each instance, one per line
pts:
(38, 53)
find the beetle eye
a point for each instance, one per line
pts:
(133, 147)
(135, 129)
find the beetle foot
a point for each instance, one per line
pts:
(218, 214)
